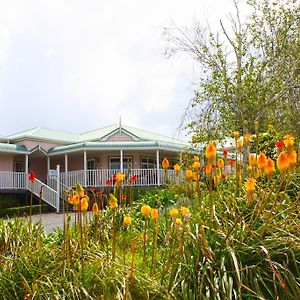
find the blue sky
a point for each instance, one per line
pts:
(79, 65)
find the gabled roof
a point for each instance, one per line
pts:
(98, 135)
(4, 147)
(46, 134)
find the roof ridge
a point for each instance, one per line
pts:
(97, 129)
(162, 135)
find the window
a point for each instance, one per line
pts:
(19, 166)
(148, 163)
(114, 163)
(91, 164)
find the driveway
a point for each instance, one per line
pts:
(52, 220)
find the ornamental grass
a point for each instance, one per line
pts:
(230, 232)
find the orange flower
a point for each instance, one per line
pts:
(247, 139)
(173, 212)
(210, 152)
(95, 209)
(146, 210)
(220, 163)
(252, 159)
(74, 200)
(250, 187)
(250, 184)
(261, 160)
(292, 158)
(208, 169)
(176, 168)
(239, 144)
(196, 176)
(270, 167)
(84, 203)
(289, 141)
(165, 163)
(196, 158)
(189, 174)
(282, 162)
(154, 214)
(127, 221)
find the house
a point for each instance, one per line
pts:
(90, 158)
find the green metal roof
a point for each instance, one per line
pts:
(95, 135)
(4, 147)
(46, 134)
(132, 145)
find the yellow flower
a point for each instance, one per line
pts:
(146, 210)
(289, 141)
(189, 174)
(256, 173)
(292, 158)
(95, 209)
(252, 159)
(247, 139)
(250, 184)
(220, 163)
(127, 221)
(176, 168)
(154, 214)
(236, 134)
(217, 179)
(196, 165)
(112, 201)
(210, 152)
(173, 212)
(84, 203)
(282, 162)
(144, 237)
(165, 163)
(261, 160)
(239, 144)
(196, 158)
(185, 211)
(120, 178)
(79, 190)
(178, 222)
(270, 167)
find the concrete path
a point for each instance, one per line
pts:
(52, 220)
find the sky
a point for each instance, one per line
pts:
(79, 65)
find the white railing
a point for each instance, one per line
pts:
(13, 180)
(49, 195)
(98, 178)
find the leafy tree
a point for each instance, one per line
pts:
(250, 71)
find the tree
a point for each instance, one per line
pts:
(250, 72)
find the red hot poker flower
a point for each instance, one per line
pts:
(133, 178)
(32, 177)
(108, 182)
(123, 197)
(231, 162)
(225, 152)
(279, 145)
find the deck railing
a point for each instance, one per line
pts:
(98, 178)
(13, 180)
